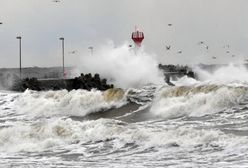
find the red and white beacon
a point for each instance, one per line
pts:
(137, 37)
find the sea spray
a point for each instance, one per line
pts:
(123, 66)
(224, 74)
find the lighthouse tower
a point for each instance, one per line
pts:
(137, 37)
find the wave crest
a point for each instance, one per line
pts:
(64, 103)
(172, 102)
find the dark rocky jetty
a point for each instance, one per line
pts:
(175, 71)
(86, 82)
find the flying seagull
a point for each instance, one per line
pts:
(180, 52)
(73, 52)
(202, 43)
(168, 47)
(56, 1)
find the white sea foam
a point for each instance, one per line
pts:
(172, 102)
(47, 140)
(180, 142)
(65, 103)
(57, 134)
(186, 81)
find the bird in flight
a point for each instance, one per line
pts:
(56, 1)
(169, 24)
(203, 44)
(73, 52)
(214, 57)
(180, 52)
(168, 47)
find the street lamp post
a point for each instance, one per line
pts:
(91, 50)
(63, 54)
(20, 54)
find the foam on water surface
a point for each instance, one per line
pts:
(197, 123)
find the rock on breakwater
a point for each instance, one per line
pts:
(86, 82)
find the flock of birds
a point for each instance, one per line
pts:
(168, 47)
(203, 44)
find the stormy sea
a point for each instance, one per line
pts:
(142, 122)
(196, 123)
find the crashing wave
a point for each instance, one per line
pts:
(64, 103)
(172, 102)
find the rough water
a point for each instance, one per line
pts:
(193, 124)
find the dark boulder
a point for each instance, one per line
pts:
(191, 74)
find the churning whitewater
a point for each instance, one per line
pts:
(196, 123)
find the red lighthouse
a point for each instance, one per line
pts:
(137, 37)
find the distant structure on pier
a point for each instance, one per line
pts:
(137, 37)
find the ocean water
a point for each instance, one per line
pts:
(197, 123)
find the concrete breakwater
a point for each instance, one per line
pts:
(50, 79)
(86, 82)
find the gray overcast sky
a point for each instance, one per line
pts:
(92, 22)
